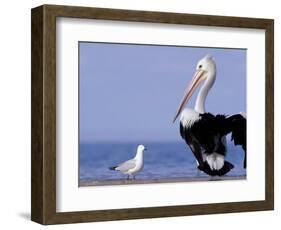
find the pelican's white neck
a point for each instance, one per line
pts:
(202, 95)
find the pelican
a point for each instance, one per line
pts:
(205, 133)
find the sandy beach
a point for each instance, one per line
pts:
(152, 181)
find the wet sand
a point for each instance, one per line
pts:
(152, 181)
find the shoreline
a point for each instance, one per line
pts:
(157, 181)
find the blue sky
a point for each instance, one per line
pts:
(131, 92)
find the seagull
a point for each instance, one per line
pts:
(133, 166)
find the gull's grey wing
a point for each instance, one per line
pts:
(127, 165)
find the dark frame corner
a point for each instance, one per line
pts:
(43, 96)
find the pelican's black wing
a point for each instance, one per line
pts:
(237, 126)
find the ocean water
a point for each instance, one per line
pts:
(165, 160)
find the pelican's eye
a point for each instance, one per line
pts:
(200, 66)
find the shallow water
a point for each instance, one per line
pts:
(161, 161)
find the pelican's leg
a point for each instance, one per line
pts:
(128, 177)
(197, 169)
(203, 162)
(198, 172)
(134, 177)
(212, 178)
(245, 158)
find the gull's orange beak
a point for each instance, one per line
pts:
(197, 78)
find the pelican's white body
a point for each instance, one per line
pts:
(188, 117)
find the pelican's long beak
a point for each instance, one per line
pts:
(197, 78)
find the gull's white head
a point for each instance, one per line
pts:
(205, 71)
(141, 148)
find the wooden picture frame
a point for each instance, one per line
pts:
(43, 202)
